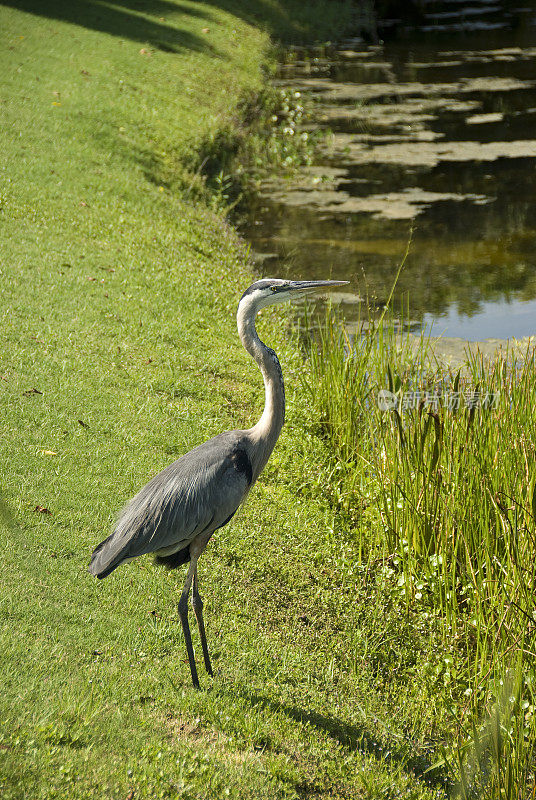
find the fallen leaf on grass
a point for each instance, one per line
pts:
(205, 30)
(83, 424)
(42, 510)
(29, 392)
(48, 453)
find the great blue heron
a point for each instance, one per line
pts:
(177, 512)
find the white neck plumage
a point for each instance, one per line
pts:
(267, 430)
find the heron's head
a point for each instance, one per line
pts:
(269, 291)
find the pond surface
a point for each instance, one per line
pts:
(433, 130)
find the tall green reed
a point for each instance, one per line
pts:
(447, 464)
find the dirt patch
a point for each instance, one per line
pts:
(188, 728)
(194, 730)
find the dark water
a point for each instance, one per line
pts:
(434, 129)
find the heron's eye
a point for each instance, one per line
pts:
(273, 288)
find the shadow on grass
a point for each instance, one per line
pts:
(122, 19)
(155, 23)
(7, 516)
(295, 21)
(358, 738)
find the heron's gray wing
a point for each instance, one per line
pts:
(196, 494)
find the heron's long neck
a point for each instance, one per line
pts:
(268, 428)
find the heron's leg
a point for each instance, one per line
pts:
(197, 605)
(183, 613)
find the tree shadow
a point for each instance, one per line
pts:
(283, 21)
(124, 20)
(357, 738)
(294, 21)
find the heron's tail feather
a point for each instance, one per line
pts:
(101, 565)
(105, 572)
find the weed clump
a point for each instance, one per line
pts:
(269, 133)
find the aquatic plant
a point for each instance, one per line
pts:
(433, 475)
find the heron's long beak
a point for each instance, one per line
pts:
(306, 287)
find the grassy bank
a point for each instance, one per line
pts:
(119, 352)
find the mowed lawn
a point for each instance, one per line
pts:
(119, 353)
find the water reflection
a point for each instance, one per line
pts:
(435, 130)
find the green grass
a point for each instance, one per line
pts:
(119, 352)
(365, 605)
(442, 504)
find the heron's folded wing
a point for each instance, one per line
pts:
(197, 493)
